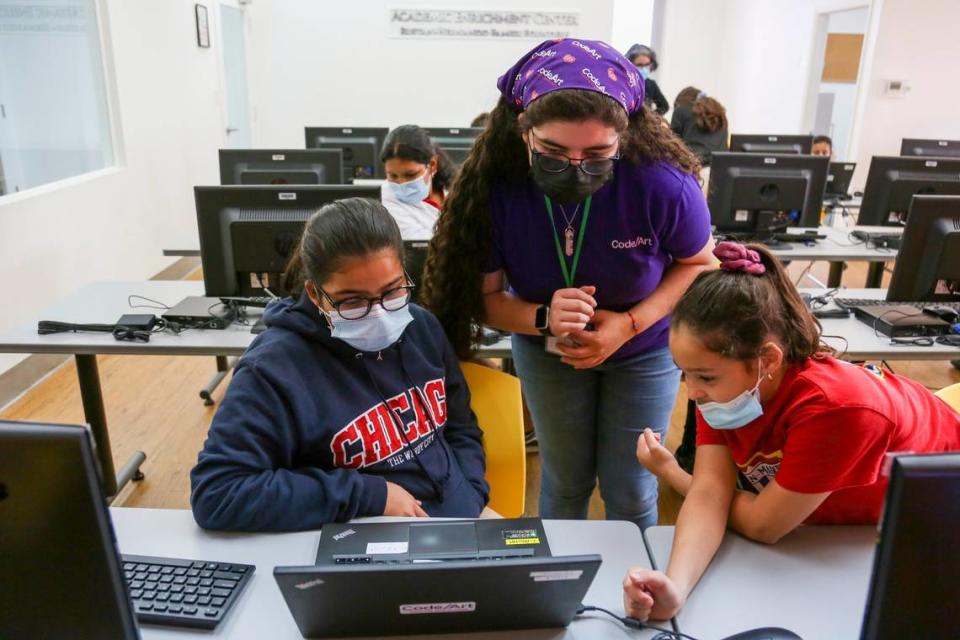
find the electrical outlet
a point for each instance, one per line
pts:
(895, 88)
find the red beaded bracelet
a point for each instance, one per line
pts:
(636, 325)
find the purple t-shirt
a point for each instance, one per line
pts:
(640, 221)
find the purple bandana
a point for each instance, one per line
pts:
(572, 64)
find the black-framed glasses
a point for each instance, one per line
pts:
(552, 162)
(356, 307)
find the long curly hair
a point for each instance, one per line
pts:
(452, 287)
(710, 115)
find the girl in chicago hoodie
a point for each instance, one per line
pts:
(351, 404)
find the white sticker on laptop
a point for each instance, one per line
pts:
(378, 548)
(554, 576)
(278, 157)
(437, 607)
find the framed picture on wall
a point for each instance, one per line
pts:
(203, 26)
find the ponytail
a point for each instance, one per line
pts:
(734, 312)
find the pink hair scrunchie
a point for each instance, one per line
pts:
(736, 257)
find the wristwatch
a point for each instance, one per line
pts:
(542, 320)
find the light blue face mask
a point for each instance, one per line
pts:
(413, 191)
(739, 412)
(373, 332)
(644, 72)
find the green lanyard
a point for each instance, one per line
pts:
(571, 273)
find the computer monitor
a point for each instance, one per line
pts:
(927, 148)
(838, 179)
(247, 234)
(754, 196)
(914, 586)
(457, 142)
(60, 572)
(893, 181)
(361, 148)
(765, 143)
(928, 264)
(281, 166)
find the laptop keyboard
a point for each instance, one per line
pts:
(847, 303)
(183, 593)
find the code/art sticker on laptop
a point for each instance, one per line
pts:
(553, 576)
(521, 536)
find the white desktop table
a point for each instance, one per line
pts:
(104, 303)
(838, 248)
(813, 582)
(261, 612)
(855, 340)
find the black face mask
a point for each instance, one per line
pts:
(570, 185)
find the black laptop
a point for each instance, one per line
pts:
(54, 546)
(914, 586)
(341, 600)
(58, 547)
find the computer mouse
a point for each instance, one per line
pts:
(765, 633)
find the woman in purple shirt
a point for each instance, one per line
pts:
(579, 198)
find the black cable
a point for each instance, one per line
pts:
(823, 299)
(120, 332)
(160, 305)
(46, 327)
(633, 623)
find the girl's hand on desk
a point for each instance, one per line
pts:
(649, 594)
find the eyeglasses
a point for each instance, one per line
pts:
(357, 307)
(557, 162)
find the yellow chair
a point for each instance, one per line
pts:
(495, 399)
(950, 395)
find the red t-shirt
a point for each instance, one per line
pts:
(829, 427)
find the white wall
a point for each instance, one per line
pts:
(754, 56)
(327, 64)
(921, 48)
(114, 224)
(692, 48)
(632, 23)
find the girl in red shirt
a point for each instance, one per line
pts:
(806, 435)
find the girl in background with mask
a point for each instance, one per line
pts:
(645, 59)
(352, 402)
(806, 435)
(418, 176)
(589, 207)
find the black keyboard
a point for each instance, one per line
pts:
(183, 593)
(847, 303)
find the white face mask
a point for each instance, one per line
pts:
(413, 191)
(373, 332)
(736, 413)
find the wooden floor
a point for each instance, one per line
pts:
(152, 404)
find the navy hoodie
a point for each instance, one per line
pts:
(304, 434)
